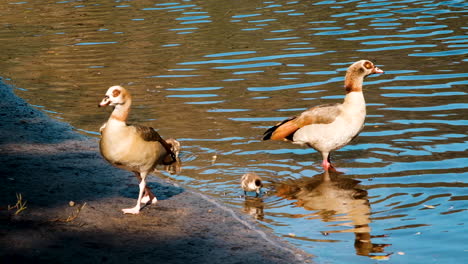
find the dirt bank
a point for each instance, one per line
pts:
(50, 165)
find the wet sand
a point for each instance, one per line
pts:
(50, 165)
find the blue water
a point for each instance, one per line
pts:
(217, 74)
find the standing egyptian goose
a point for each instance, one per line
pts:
(132, 147)
(329, 127)
(251, 182)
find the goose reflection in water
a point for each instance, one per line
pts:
(174, 168)
(254, 207)
(336, 199)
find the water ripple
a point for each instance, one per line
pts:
(398, 47)
(254, 64)
(435, 33)
(441, 53)
(430, 108)
(271, 57)
(406, 95)
(432, 121)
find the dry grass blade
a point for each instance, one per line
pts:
(71, 217)
(20, 204)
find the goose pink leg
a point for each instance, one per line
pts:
(326, 163)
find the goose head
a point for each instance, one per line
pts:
(115, 95)
(357, 72)
(364, 68)
(251, 182)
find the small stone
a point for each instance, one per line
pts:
(71, 203)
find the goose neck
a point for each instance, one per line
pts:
(121, 112)
(353, 82)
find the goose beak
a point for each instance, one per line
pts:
(104, 102)
(377, 70)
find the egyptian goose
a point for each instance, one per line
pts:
(175, 167)
(329, 127)
(132, 147)
(251, 182)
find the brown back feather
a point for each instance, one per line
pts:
(269, 133)
(149, 134)
(322, 114)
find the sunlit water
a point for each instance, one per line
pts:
(217, 74)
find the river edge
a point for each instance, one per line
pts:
(46, 164)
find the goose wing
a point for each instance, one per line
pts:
(322, 114)
(149, 134)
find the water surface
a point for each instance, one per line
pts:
(217, 74)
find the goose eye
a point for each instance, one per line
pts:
(115, 93)
(368, 65)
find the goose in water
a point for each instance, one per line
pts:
(251, 182)
(329, 127)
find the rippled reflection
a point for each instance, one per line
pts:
(338, 201)
(217, 74)
(254, 207)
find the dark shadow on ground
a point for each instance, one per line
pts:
(160, 235)
(50, 165)
(54, 179)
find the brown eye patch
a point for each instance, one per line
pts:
(368, 65)
(115, 93)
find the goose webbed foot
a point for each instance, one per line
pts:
(134, 210)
